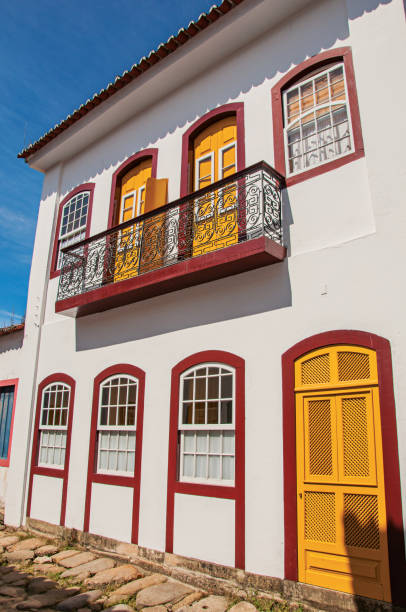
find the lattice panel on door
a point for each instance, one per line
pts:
(320, 442)
(320, 516)
(361, 521)
(353, 366)
(355, 437)
(316, 370)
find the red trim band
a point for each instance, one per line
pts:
(52, 472)
(84, 187)
(110, 479)
(396, 545)
(318, 61)
(238, 491)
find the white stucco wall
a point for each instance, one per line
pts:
(345, 236)
(46, 498)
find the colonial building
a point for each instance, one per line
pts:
(214, 352)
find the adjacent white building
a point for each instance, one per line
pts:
(223, 378)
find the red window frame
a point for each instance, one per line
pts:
(53, 472)
(322, 60)
(93, 476)
(54, 273)
(236, 492)
(122, 170)
(12, 382)
(393, 500)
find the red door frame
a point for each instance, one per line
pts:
(396, 544)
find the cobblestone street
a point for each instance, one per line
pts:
(40, 574)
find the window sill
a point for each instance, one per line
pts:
(321, 169)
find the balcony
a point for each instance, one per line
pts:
(231, 226)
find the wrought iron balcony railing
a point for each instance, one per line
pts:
(234, 210)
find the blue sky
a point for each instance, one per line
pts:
(54, 55)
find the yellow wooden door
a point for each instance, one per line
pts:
(342, 534)
(215, 216)
(132, 204)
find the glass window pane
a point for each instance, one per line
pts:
(51, 417)
(58, 399)
(201, 441)
(44, 438)
(130, 462)
(227, 386)
(188, 389)
(187, 418)
(51, 441)
(215, 441)
(57, 420)
(201, 466)
(226, 412)
(103, 457)
(57, 456)
(65, 401)
(121, 415)
(122, 461)
(213, 388)
(63, 456)
(45, 402)
(114, 440)
(52, 400)
(122, 400)
(200, 388)
(131, 415)
(131, 441)
(132, 393)
(213, 370)
(112, 460)
(200, 413)
(122, 441)
(113, 396)
(103, 416)
(228, 442)
(228, 468)
(44, 417)
(189, 441)
(214, 466)
(64, 417)
(188, 461)
(43, 455)
(112, 415)
(105, 396)
(212, 412)
(201, 372)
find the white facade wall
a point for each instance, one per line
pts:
(345, 236)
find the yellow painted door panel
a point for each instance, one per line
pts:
(153, 232)
(132, 204)
(342, 531)
(215, 223)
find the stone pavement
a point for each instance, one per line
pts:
(37, 574)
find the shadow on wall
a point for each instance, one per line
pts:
(12, 342)
(246, 294)
(216, 87)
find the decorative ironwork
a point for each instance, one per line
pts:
(236, 209)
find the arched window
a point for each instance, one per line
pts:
(51, 445)
(207, 424)
(316, 122)
(117, 425)
(73, 223)
(53, 425)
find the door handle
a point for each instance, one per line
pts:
(300, 495)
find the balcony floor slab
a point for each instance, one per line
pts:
(232, 260)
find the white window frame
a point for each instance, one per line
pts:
(53, 428)
(210, 214)
(116, 428)
(331, 104)
(201, 428)
(73, 236)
